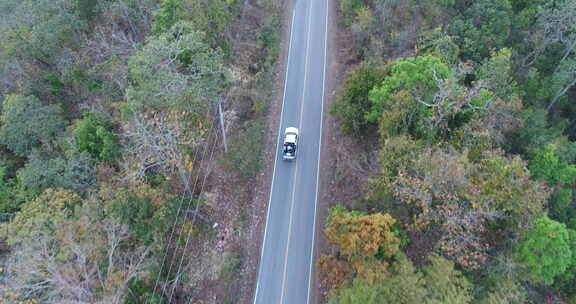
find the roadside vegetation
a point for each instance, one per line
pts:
(471, 198)
(109, 140)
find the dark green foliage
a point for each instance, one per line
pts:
(41, 173)
(245, 151)
(536, 133)
(567, 281)
(26, 123)
(545, 250)
(76, 171)
(94, 135)
(353, 103)
(562, 207)
(483, 27)
(86, 9)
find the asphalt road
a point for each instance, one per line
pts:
(287, 250)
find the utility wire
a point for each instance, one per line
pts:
(177, 214)
(193, 219)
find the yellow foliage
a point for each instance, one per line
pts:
(362, 235)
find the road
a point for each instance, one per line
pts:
(286, 262)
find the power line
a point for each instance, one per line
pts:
(193, 219)
(196, 209)
(177, 214)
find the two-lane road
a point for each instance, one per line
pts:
(287, 251)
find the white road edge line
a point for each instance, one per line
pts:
(319, 152)
(300, 139)
(276, 153)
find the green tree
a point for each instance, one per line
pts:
(416, 74)
(94, 135)
(545, 250)
(545, 165)
(507, 292)
(37, 30)
(497, 72)
(483, 27)
(403, 286)
(353, 104)
(445, 284)
(40, 172)
(562, 207)
(26, 123)
(146, 211)
(76, 171)
(213, 17)
(177, 69)
(169, 13)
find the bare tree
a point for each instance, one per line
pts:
(66, 268)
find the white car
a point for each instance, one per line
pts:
(290, 143)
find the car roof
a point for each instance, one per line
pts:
(290, 138)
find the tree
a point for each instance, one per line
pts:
(416, 74)
(437, 283)
(213, 17)
(40, 172)
(507, 292)
(176, 70)
(483, 27)
(26, 123)
(445, 284)
(145, 211)
(403, 286)
(463, 199)
(37, 30)
(545, 165)
(425, 97)
(169, 13)
(42, 215)
(545, 250)
(85, 260)
(94, 135)
(353, 104)
(562, 207)
(76, 171)
(552, 48)
(496, 71)
(361, 235)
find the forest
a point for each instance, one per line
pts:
(465, 112)
(112, 166)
